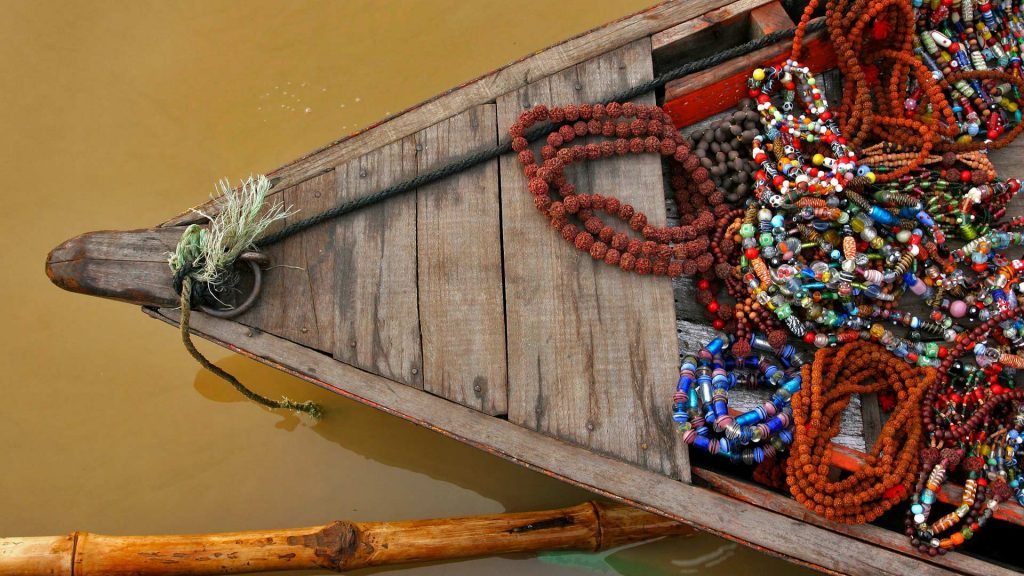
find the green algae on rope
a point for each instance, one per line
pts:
(203, 260)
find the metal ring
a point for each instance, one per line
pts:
(255, 260)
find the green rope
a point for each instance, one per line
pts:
(204, 257)
(308, 407)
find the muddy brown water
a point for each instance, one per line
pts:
(118, 115)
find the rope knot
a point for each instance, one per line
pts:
(203, 264)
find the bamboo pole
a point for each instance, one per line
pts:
(336, 546)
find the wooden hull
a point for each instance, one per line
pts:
(456, 306)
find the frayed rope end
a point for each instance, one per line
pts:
(203, 255)
(309, 408)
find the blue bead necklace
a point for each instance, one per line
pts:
(701, 403)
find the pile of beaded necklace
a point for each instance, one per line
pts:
(972, 418)
(700, 406)
(958, 36)
(898, 94)
(816, 248)
(830, 255)
(889, 467)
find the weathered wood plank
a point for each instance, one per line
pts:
(485, 89)
(700, 95)
(701, 36)
(375, 315)
(871, 417)
(146, 245)
(589, 360)
(318, 253)
(768, 19)
(147, 283)
(286, 307)
(461, 300)
(1009, 161)
(702, 508)
(758, 496)
(129, 265)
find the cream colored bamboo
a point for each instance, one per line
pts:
(336, 546)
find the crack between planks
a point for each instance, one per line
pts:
(501, 243)
(419, 314)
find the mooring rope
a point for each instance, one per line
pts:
(202, 263)
(307, 407)
(200, 260)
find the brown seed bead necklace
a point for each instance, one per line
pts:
(627, 128)
(890, 467)
(883, 75)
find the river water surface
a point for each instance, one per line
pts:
(118, 115)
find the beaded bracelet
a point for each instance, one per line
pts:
(701, 405)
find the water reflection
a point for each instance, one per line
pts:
(374, 435)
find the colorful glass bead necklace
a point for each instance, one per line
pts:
(819, 197)
(866, 253)
(958, 36)
(700, 406)
(970, 417)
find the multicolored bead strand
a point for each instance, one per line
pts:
(700, 405)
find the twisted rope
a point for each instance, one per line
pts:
(307, 407)
(485, 155)
(201, 264)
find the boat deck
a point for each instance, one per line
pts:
(457, 307)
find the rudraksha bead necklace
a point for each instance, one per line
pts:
(627, 128)
(891, 464)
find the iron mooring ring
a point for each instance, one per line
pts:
(255, 260)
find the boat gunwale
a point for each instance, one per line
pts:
(374, 391)
(448, 104)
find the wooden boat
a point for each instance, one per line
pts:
(456, 307)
